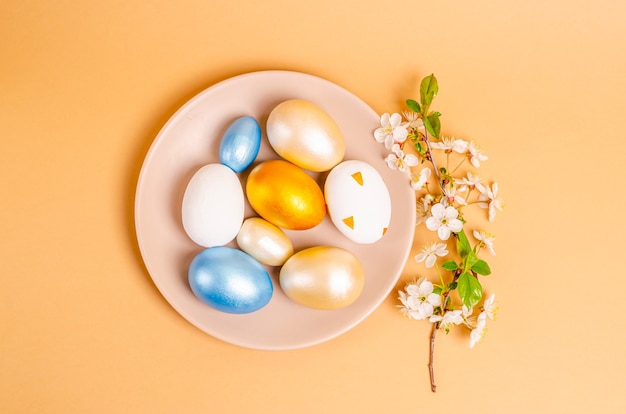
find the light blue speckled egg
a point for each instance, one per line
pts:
(240, 144)
(230, 280)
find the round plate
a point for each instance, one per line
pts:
(191, 138)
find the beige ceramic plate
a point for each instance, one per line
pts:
(191, 139)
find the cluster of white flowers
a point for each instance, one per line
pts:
(440, 201)
(419, 302)
(394, 133)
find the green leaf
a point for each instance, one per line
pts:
(428, 126)
(413, 105)
(470, 260)
(450, 265)
(428, 91)
(433, 124)
(463, 244)
(437, 290)
(452, 285)
(470, 290)
(420, 148)
(481, 267)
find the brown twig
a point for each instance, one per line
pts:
(431, 359)
(433, 334)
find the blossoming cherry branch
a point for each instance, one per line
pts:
(456, 298)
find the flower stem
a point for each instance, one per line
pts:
(443, 284)
(433, 334)
(432, 160)
(431, 365)
(458, 165)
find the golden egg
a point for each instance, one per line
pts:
(285, 195)
(323, 277)
(304, 134)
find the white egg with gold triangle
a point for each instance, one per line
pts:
(358, 201)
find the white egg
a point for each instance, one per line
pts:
(358, 201)
(213, 206)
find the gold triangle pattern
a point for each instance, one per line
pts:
(349, 222)
(358, 177)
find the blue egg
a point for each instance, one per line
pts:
(240, 144)
(230, 280)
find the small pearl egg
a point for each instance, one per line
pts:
(264, 241)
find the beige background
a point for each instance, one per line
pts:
(86, 86)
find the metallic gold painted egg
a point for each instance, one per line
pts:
(323, 277)
(285, 195)
(304, 134)
(264, 241)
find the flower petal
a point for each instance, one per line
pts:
(411, 160)
(394, 120)
(432, 223)
(379, 134)
(451, 212)
(443, 232)
(420, 257)
(438, 211)
(384, 120)
(434, 299)
(455, 225)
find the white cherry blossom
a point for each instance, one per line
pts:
(490, 200)
(444, 220)
(475, 154)
(451, 196)
(427, 201)
(421, 213)
(491, 307)
(479, 331)
(391, 130)
(419, 180)
(430, 252)
(454, 317)
(398, 160)
(469, 182)
(418, 300)
(468, 319)
(412, 120)
(449, 144)
(487, 240)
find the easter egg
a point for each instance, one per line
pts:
(323, 277)
(285, 195)
(264, 241)
(304, 134)
(230, 280)
(213, 206)
(240, 143)
(358, 201)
